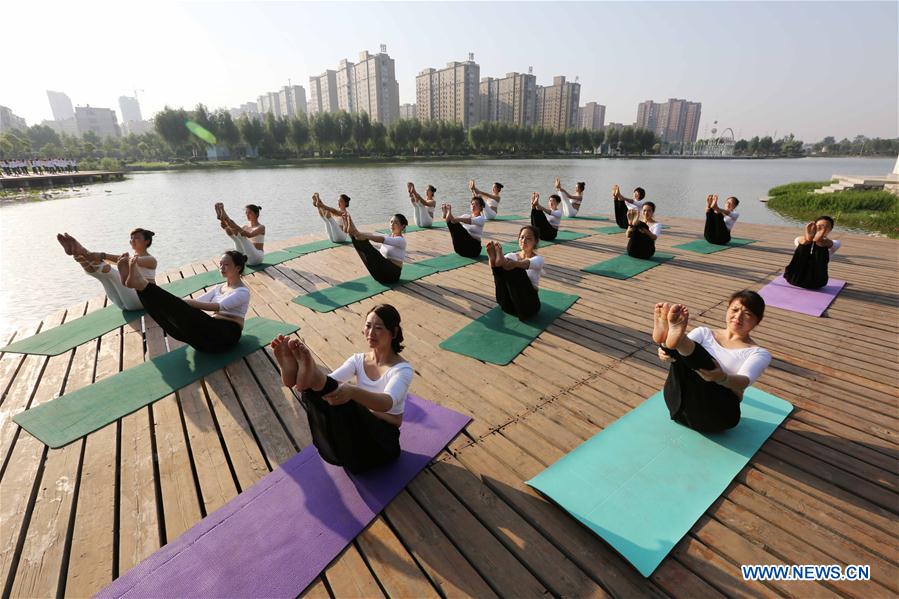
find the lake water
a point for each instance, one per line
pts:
(38, 278)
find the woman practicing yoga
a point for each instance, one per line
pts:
(491, 208)
(330, 215)
(516, 275)
(384, 264)
(546, 220)
(250, 238)
(709, 370)
(423, 206)
(808, 268)
(353, 426)
(571, 203)
(622, 205)
(642, 231)
(720, 221)
(187, 319)
(466, 230)
(97, 265)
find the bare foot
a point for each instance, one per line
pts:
(308, 374)
(632, 217)
(708, 202)
(444, 208)
(678, 317)
(124, 264)
(65, 242)
(558, 183)
(135, 278)
(810, 232)
(500, 258)
(286, 362)
(471, 184)
(316, 200)
(616, 191)
(449, 213)
(219, 210)
(75, 245)
(819, 235)
(491, 254)
(660, 323)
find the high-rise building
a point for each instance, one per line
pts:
(61, 106)
(407, 111)
(557, 104)
(132, 122)
(292, 101)
(449, 94)
(511, 99)
(9, 120)
(346, 86)
(101, 121)
(375, 89)
(322, 93)
(591, 116)
(676, 120)
(647, 115)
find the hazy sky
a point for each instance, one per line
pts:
(810, 68)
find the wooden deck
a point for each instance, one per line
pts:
(52, 179)
(822, 490)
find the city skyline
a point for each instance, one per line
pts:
(798, 80)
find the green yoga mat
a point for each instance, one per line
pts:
(74, 415)
(81, 330)
(350, 292)
(644, 481)
(314, 246)
(608, 230)
(438, 224)
(579, 217)
(446, 262)
(497, 337)
(625, 267)
(509, 217)
(563, 236)
(701, 246)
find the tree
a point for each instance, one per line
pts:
(251, 131)
(40, 136)
(378, 139)
(361, 130)
(170, 124)
(299, 133)
(343, 129)
(626, 138)
(766, 144)
(596, 137)
(324, 130)
(647, 140)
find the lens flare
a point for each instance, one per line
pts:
(201, 132)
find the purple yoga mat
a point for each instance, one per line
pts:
(276, 537)
(780, 294)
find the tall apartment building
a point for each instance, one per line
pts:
(591, 116)
(346, 86)
(130, 109)
(557, 104)
(101, 121)
(61, 106)
(322, 93)
(375, 89)
(251, 109)
(449, 94)
(269, 103)
(292, 101)
(676, 120)
(407, 111)
(511, 99)
(10, 120)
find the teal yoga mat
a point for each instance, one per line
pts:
(579, 217)
(509, 217)
(644, 481)
(81, 330)
(701, 246)
(437, 224)
(497, 337)
(74, 415)
(350, 292)
(563, 236)
(612, 230)
(314, 246)
(625, 267)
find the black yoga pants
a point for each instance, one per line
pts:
(539, 220)
(188, 324)
(715, 230)
(349, 435)
(464, 244)
(639, 244)
(514, 292)
(620, 213)
(380, 268)
(694, 402)
(808, 268)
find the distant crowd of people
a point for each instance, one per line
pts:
(53, 166)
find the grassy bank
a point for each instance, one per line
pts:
(873, 211)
